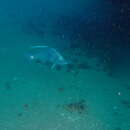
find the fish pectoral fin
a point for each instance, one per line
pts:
(53, 66)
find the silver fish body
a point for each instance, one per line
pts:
(45, 54)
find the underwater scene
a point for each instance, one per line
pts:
(65, 65)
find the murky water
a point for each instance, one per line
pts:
(93, 93)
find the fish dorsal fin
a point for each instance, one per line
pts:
(39, 46)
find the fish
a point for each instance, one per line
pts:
(45, 54)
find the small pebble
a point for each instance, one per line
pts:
(61, 89)
(115, 107)
(8, 85)
(20, 114)
(118, 128)
(26, 106)
(119, 93)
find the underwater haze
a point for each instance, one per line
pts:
(64, 65)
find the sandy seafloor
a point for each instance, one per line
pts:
(31, 98)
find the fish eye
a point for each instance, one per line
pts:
(31, 57)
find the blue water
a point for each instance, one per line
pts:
(92, 93)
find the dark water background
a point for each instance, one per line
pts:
(101, 26)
